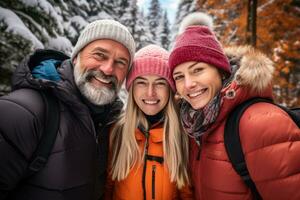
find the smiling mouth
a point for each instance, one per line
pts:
(104, 82)
(151, 102)
(196, 94)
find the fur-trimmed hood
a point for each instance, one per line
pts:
(252, 74)
(251, 68)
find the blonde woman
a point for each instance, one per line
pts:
(149, 153)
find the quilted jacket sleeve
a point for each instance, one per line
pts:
(19, 133)
(271, 144)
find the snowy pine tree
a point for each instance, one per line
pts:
(75, 14)
(194, 6)
(129, 17)
(104, 9)
(121, 8)
(28, 25)
(142, 33)
(184, 8)
(154, 16)
(164, 31)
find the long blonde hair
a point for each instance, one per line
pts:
(125, 150)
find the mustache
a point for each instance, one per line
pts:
(100, 75)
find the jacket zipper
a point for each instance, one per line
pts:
(153, 181)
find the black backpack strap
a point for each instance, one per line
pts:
(294, 113)
(233, 144)
(44, 148)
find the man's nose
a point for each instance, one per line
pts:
(107, 67)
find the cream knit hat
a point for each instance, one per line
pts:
(105, 29)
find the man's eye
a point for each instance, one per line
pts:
(100, 55)
(121, 63)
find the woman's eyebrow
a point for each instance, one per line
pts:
(189, 67)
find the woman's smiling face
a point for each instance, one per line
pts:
(151, 93)
(197, 82)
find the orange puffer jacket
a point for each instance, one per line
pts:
(155, 177)
(269, 138)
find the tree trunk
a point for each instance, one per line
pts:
(251, 23)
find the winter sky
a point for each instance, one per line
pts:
(169, 5)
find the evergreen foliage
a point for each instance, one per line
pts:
(164, 31)
(56, 24)
(154, 16)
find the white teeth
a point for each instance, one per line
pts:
(150, 102)
(196, 93)
(102, 80)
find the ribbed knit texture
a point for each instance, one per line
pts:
(198, 43)
(105, 29)
(150, 60)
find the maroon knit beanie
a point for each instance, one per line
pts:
(150, 60)
(198, 43)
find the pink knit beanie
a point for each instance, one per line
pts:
(150, 60)
(198, 43)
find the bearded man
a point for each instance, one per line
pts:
(86, 87)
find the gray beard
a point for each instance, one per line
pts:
(96, 95)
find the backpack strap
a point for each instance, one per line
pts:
(233, 144)
(294, 113)
(44, 148)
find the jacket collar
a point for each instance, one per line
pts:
(155, 133)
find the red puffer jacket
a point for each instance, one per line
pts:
(269, 138)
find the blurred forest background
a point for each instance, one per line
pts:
(272, 26)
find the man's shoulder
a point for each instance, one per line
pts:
(21, 119)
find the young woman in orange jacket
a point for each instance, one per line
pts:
(149, 152)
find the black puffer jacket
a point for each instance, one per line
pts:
(76, 168)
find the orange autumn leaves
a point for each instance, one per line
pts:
(278, 35)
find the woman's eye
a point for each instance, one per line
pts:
(161, 84)
(140, 83)
(177, 78)
(199, 69)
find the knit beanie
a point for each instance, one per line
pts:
(150, 60)
(198, 43)
(105, 29)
